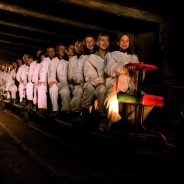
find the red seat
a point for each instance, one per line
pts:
(152, 100)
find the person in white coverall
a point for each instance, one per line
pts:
(10, 85)
(5, 78)
(21, 77)
(94, 87)
(42, 79)
(89, 44)
(58, 82)
(31, 88)
(76, 76)
(1, 72)
(120, 78)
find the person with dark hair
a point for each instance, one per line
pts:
(29, 85)
(33, 79)
(94, 87)
(89, 43)
(11, 88)
(121, 78)
(76, 76)
(21, 77)
(58, 83)
(70, 50)
(43, 78)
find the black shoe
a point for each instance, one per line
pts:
(23, 103)
(85, 115)
(34, 108)
(40, 111)
(53, 114)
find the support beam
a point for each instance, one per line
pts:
(33, 29)
(19, 44)
(26, 38)
(7, 56)
(26, 12)
(117, 9)
(8, 53)
(8, 47)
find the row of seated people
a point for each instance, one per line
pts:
(90, 75)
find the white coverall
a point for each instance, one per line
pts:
(21, 77)
(57, 72)
(10, 85)
(76, 80)
(42, 89)
(4, 82)
(29, 86)
(114, 70)
(94, 86)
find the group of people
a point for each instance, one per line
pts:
(81, 78)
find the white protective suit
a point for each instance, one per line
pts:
(117, 80)
(1, 83)
(94, 87)
(21, 77)
(4, 76)
(29, 86)
(35, 82)
(10, 85)
(57, 72)
(76, 81)
(42, 89)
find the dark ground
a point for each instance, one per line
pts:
(28, 156)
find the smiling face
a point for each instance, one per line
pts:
(124, 42)
(103, 42)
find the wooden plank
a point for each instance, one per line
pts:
(40, 15)
(117, 9)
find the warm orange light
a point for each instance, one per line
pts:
(113, 109)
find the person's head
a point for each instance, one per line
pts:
(89, 43)
(78, 47)
(19, 62)
(6, 67)
(10, 67)
(30, 59)
(51, 52)
(61, 50)
(102, 41)
(14, 65)
(70, 50)
(25, 58)
(38, 52)
(41, 56)
(124, 42)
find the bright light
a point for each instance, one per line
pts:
(113, 109)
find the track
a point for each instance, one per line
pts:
(102, 160)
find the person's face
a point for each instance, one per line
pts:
(51, 52)
(42, 57)
(71, 50)
(14, 65)
(26, 58)
(78, 48)
(103, 42)
(89, 43)
(124, 42)
(30, 60)
(19, 62)
(61, 50)
(38, 53)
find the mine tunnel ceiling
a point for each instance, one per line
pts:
(29, 25)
